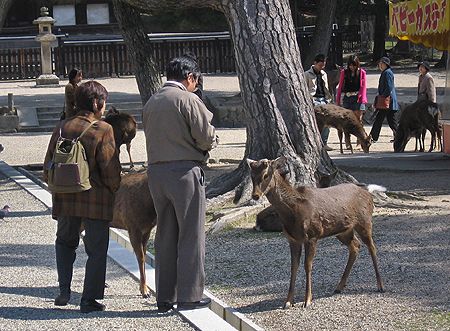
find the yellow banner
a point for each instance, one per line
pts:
(421, 21)
(419, 17)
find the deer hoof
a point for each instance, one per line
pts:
(337, 291)
(306, 304)
(288, 305)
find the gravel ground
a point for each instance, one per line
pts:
(245, 269)
(250, 271)
(28, 280)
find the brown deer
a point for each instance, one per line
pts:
(309, 214)
(134, 211)
(124, 126)
(345, 121)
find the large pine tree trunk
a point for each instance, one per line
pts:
(277, 104)
(147, 74)
(278, 108)
(322, 32)
(381, 11)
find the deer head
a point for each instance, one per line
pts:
(366, 143)
(262, 175)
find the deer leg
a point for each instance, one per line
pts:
(366, 237)
(353, 245)
(340, 140)
(433, 140)
(139, 244)
(129, 154)
(310, 252)
(417, 142)
(296, 252)
(348, 144)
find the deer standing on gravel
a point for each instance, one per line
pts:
(345, 121)
(134, 211)
(309, 214)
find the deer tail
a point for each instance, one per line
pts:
(375, 188)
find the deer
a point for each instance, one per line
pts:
(309, 214)
(135, 212)
(133, 208)
(414, 120)
(124, 126)
(345, 121)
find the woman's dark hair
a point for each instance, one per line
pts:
(353, 59)
(73, 73)
(179, 68)
(87, 93)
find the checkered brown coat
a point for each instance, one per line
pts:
(104, 169)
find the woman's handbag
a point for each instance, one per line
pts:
(382, 102)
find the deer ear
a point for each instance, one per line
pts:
(279, 162)
(250, 162)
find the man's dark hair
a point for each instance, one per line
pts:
(179, 68)
(73, 73)
(320, 58)
(86, 93)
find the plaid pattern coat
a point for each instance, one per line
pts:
(104, 169)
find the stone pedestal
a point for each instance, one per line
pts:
(9, 123)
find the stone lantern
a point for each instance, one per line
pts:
(46, 38)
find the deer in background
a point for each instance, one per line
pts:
(415, 120)
(309, 214)
(124, 126)
(345, 121)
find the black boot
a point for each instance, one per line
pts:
(63, 298)
(90, 305)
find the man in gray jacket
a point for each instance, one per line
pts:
(178, 136)
(317, 82)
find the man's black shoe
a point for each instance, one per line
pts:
(90, 305)
(194, 305)
(164, 307)
(63, 298)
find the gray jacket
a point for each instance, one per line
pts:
(426, 89)
(177, 126)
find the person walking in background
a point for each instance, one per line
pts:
(426, 89)
(75, 77)
(317, 82)
(94, 207)
(178, 137)
(352, 84)
(386, 101)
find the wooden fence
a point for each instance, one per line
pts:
(110, 58)
(20, 63)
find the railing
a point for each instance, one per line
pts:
(19, 63)
(110, 57)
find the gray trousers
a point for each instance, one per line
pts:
(178, 192)
(96, 245)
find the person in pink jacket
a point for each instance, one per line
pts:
(352, 84)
